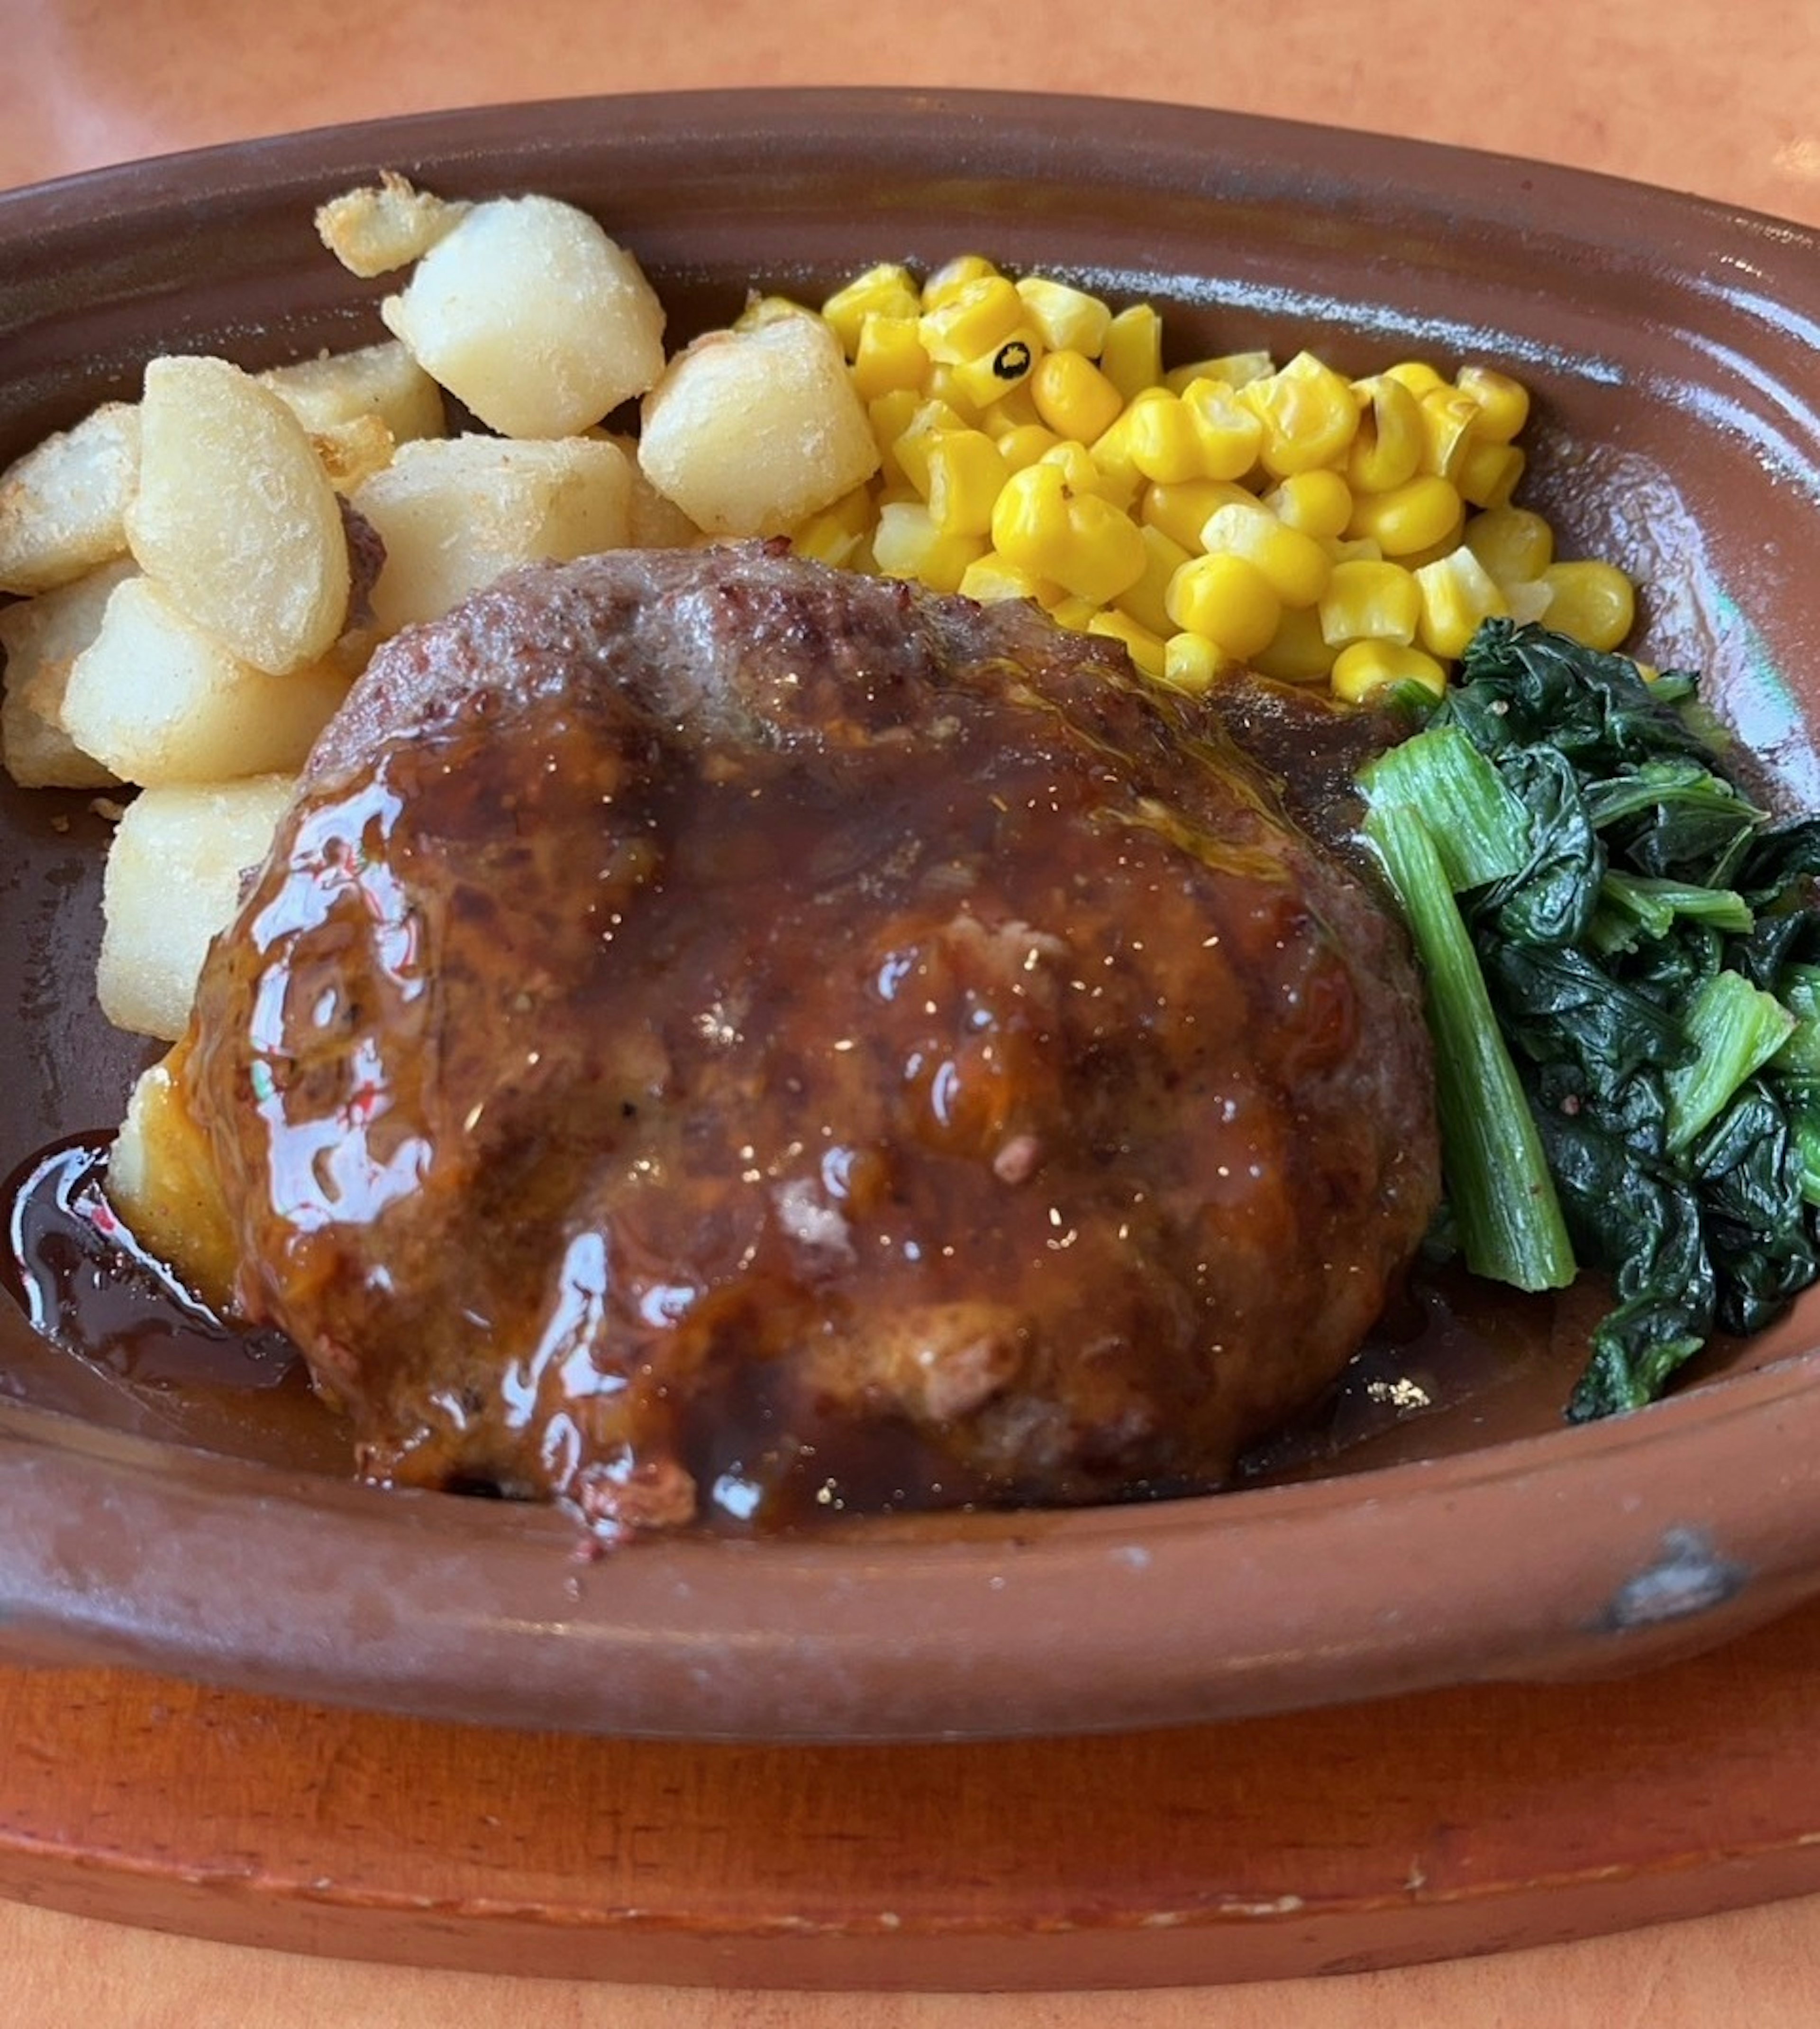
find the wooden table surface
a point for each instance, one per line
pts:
(1720, 99)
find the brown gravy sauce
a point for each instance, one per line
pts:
(121, 1342)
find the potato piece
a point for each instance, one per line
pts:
(40, 638)
(749, 431)
(235, 515)
(652, 522)
(349, 453)
(340, 387)
(157, 700)
(162, 1180)
(454, 514)
(172, 881)
(528, 314)
(63, 505)
(383, 226)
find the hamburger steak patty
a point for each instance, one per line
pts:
(720, 1035)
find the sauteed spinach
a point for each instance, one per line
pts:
(1623, 955)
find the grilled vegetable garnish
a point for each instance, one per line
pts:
(1632, 1064)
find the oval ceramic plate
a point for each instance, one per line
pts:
(1668, 343)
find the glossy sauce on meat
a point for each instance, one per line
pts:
(1455, 1362)
(715, 1031)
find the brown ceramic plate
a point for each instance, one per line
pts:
(1670, 345)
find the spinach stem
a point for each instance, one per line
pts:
(1477, 824)
(1502, 1197)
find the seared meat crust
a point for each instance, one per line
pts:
(720, 1035)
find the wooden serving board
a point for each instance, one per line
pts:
(1439, 1825)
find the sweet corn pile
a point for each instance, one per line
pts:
(1322, 530)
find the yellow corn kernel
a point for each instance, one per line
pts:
(1181, 511)
(1310, 415)
(1318, 503)
(1084, 543)
(1074, 461)
(1237, 370)
(907, 544)
(1514, 543)
(1112, 450)
(1068, 319)
(886, 291)
(1503, 404)
(1299, 652)
(836, 535)
(1153, 435)
(825, 541)
(1229, 433)
(1488, 474)
(888, 354)
(1190, 663)
(986, 380)
(1229, 600)
(966, 470)
(1106, 554)
(1084, 475)
(911, 449)
(944, 384)
(1457, 593)
(1592, 602)
(1294, 565)
(889, 416)
(1387, 450)
(1417, 376)
(1352, 549)
(1146, 602)
(1144, 648)
(952, 276)
(1024, 444)
(1131, 356)
(1528, 599)
(1368, 666)
(1204, 433)
(1448, 419)
(991, 577)
(1070, 610)
(1073, 397)
(1369, 601)
(1432, 552)
(1409, 517)
(1014, 409)
(974, 320)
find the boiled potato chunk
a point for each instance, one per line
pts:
(531, 316)
(63, 505)
(172, 881)
(235, 518)
(351, 453)
(161, 1178)
(454, 514)
(653, 522)
(337, 389)
(384, 225)
(40, 638)
(157, 700)
(749, 431)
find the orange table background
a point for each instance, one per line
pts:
(1720, 99)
